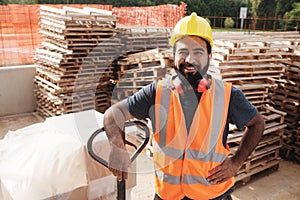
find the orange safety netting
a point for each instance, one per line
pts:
(19, 32)
(19, 25)
(160, 16)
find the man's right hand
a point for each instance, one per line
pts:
(119, 161)
(113, 121)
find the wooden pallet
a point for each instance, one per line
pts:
(256, 59)
(155, 71)
(137, 39)
(122, 93)
(270, 166)
(137, 70)
(75, 58)
(286, 97)
(252, 55)
(71, 102)
(257, 94)
(136, 83)
(268, 149)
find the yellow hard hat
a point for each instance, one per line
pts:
(192, 25)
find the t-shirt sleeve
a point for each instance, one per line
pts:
(140, 103)
(241, 111)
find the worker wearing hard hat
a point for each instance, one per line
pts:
(190, 113)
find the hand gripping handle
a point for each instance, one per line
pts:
(127, 124)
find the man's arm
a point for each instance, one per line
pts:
(114, 119)
(250, 139)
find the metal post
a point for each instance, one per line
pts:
(242, 23)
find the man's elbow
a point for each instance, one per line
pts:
(116, 114)
(257, 124)
(108, 116)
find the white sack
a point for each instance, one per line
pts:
(50, 159)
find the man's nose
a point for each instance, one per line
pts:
(190, 59)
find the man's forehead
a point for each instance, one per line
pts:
(191, 40)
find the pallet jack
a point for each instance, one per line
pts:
(121, 185)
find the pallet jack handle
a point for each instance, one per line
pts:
(121, 185)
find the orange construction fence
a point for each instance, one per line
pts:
(161, 16)
(19, 25)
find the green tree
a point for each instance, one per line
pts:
(283, 6)
(266, 11)
(5, 2)
(293, 16)
(229, 22)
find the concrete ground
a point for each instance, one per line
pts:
(281, 184)
(15, 122)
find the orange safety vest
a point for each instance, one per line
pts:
(182, 160)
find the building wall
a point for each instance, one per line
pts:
(17, 90)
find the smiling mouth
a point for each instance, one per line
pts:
(189, 70)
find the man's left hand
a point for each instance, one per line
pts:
(227, 169)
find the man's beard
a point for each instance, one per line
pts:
(193, 77)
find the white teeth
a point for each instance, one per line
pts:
(190, 69)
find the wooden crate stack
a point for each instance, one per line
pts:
(73, 62)
(138, 70)
(297, 142)
(139, 44)
(286, 97)
(266, 154)
(254, 63)
(139, 38)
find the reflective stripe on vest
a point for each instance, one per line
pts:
(182, 160)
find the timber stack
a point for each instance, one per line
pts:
(76, 63)
(140, 38)
(254, 63)
(144, 50)
(140, 69)
(286, 97)
(74, 72)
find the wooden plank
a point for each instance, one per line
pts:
(52, 9)
(251, 55)
(245, 177)
(253, 61)
(72, 10)
(98, 11)
(157, 71)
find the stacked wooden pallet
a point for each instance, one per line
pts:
(297, 143)
(254, 63)
(286, 97)
(73, 62)
(140, 69)
(137, 39)
(266, 154)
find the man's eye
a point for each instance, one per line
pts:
(183, 53)
(198, 52)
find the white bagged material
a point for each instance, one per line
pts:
(49, 160)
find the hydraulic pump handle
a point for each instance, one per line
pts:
(121, 185)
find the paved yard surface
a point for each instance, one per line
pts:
(281, 184)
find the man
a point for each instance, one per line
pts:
(190, 114)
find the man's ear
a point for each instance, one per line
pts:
(210, 55)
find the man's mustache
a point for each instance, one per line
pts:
(182, 66)
(186, 64)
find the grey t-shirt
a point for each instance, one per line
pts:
(240, 112)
